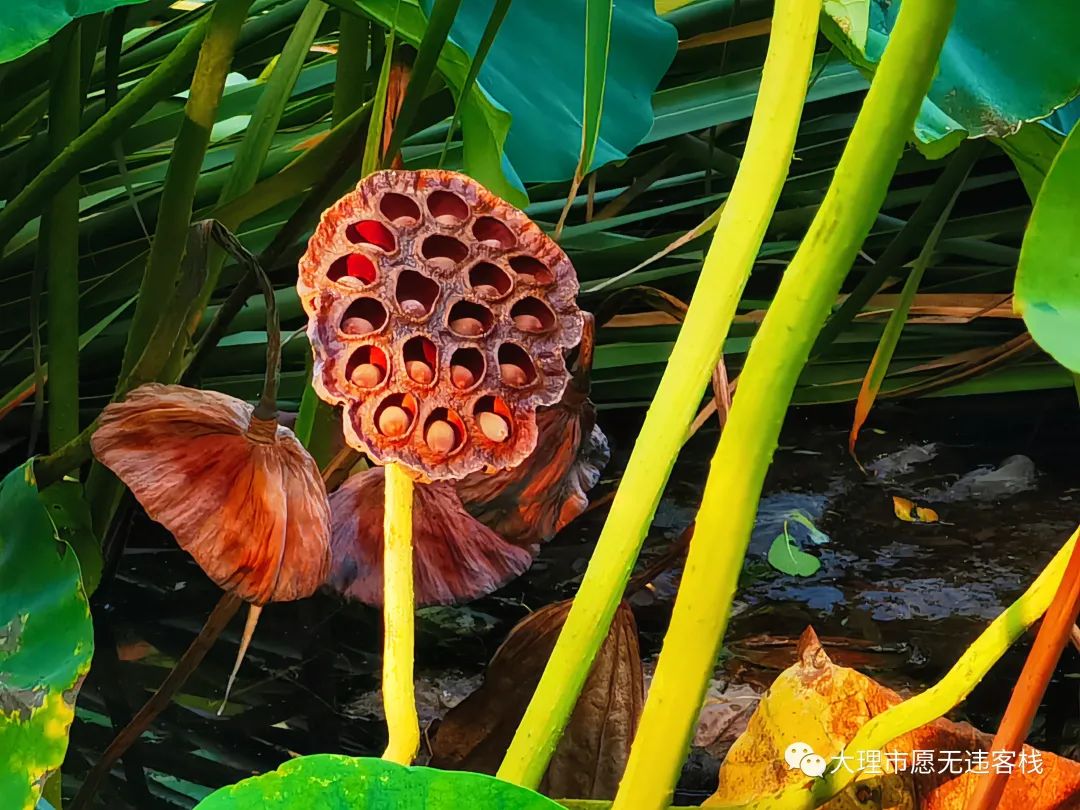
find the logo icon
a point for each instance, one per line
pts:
(801, 756)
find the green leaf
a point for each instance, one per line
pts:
(1032, 149)
(46, 640)
(785, 556)
(25, 25)
(334, 782)
(1048, 276)
(1005, 62)
(545, 137)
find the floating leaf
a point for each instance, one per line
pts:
(786, 556)
(911, 512)
(46, 639)
(1048, 276)
(821, 705)
(1004, 62)
(335, 782)
(590, 758)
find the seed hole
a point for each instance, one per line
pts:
(364, 315)
(467, 368)
(489, 280)
(395, 415)
(421, 359)
(443, 253)
(467, 319)
(416, 294)
(532, 315)
(367, 366)
(399, 209)
(355, 265)
(444, 432)
(531, 270)
(493, 233)
(493, 418)
(515, 366)
(447, 208)
(371, 232)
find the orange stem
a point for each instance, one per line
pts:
(1053, 635)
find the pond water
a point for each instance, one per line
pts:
(899, 601)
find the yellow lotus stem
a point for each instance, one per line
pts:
(399, 700)
(735, 245)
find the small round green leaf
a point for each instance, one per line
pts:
(786, 556)
(335, 782)
(1048, 276)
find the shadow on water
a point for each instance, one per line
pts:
(897, 600)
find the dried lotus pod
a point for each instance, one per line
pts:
(456, 558)
(240, 494)
(438, 316)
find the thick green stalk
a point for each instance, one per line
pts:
(768, 379)
(88, 148)
(61, 252)
(734, 248)
(350, 84)
(178, 193)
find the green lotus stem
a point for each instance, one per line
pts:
(768, 379)
(61, 249)
(399, 699)
(178, 193)
(350, 83)
(731, 256)
(87, 149)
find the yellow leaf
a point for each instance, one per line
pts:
(911, 512)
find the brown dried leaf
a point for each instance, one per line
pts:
(455, 557)
(530, 503)
(591, 756)
(823, 705)
(243, 498)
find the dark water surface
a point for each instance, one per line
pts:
(901, 601)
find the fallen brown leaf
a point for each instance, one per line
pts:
(591, 756)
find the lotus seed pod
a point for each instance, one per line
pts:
(471, 305)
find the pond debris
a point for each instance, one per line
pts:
(1014, 475)
(911, 512)
(438, 316)
(457, 558)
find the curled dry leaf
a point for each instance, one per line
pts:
(530, 503)
(592, 753)
(822, 705)
(239, 494)
(456, 558)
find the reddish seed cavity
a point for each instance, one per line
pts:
(486, 290)
(493, 426)
(360, 267)
(470, 327)
(413, 308)
(419, 371)
(462, 377)
(393, 421)
(372, 232)
(355, 325)
(493, 243)
(528, 323)
(441, 436)
(447, 219)
(513, 374)
(367, 375)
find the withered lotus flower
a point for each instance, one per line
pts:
(238, 492)
(438, 317)
(456, 558)
(530, 503)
